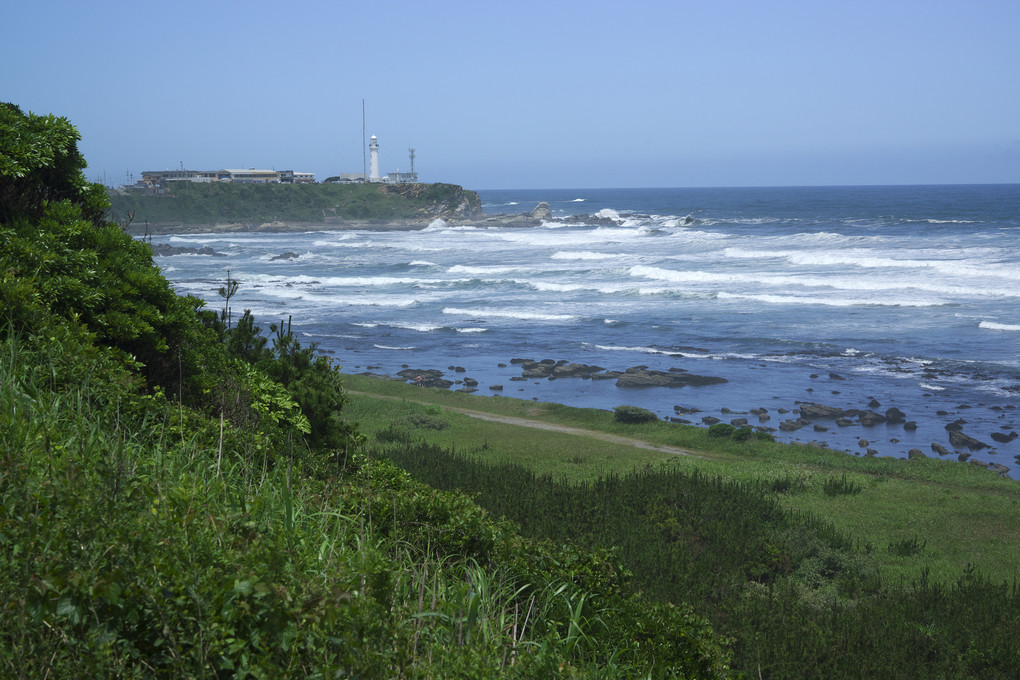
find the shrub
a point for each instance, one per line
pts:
(721, 430)
(743, 434)
(634, 415)
(421, 421)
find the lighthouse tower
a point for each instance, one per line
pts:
(373, 159)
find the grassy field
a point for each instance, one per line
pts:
(950, 514)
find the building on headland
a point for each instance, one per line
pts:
(396, 177)
(373, 159)
(160, 178)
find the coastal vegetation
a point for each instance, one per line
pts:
(180, 495)
(186, 203)
(816, 564)
(183, 494)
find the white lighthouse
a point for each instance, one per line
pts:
(373, 159)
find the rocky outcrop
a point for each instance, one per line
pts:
(165, 250)
(425, 377)
(894, 416)
(644, 377)
(870, 419)
(637, 376)
(813, 411)
(960, 440)
(549, 368)
(541, 212)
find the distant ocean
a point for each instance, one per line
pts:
(844, 296)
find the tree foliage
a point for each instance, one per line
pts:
(39, 164)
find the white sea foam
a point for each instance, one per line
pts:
(603, 288)
(471, 330)
(583, 255)
(509, 314)
(641, 350)
(992, 325)
(487, 270)
(304, 281)
(393, 348)
(868, 259)
(438, 223)
(829, 302)
(342, 243)
(608, 214)
(549, 287)
(420, 327)
(422, 263)
(838, 282)
(374, 301)
(578, 200)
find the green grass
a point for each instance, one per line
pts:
(136, 540)
(966, 515)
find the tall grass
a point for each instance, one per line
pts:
(138, 539)
(797, 596)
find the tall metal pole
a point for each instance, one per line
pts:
(364, 162)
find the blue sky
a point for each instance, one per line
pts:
(534, 94)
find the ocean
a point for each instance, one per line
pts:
(862, 298)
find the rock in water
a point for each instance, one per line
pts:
(812, 410)
(541, 211)
(894, 416)
(643, 377)
(960, 440)
(870, 419)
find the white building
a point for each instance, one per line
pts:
(373, 159)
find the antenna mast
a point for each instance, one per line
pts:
(364, 163)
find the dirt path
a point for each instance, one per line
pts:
(551, 427)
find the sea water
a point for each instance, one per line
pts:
(843, 296)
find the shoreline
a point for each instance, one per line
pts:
(864, 430)
(534, 218)
(281, 227)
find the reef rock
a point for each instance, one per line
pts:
(541, 211)
(960, 440)
(812, 410)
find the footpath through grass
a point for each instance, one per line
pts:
(926, 514)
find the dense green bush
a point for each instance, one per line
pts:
(633, 415)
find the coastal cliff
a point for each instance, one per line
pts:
(277, 207)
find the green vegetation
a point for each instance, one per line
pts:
(183, 495)
(180, 496)
(968, 515)
(634, 414)
(221, 203)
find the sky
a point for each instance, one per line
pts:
(533, 95)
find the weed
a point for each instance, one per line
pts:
(840, 487)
